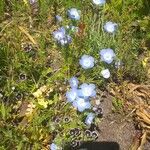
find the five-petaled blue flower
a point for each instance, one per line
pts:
(58, 18)
(81, 104)
(61, 37)
(66, 40)
(59, 34)
(107, 55)
(74, 82)
(73, 13)
(89, 119)
(71, 95)
(99, 2)
(86, 62)
(53, 146)
(87, 90)
(110, 27)
(105, 73)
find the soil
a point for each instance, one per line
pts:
(115, 127)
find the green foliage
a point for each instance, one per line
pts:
(28, 121)
(117, 105)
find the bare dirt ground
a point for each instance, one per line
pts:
(118, 128)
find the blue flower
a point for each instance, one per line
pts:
(32, 1)
(107, 55)
(59, 34)
(81, 104)
(61, 37)
(105, 73)
(74, 29)
(74, 82)
(99, 2)
(58, 18)
(86, 62)
(87, 90)
(89, 119)
(71, 95)
(53, 146)
(73, 13)
(66, 40)
(110, 27)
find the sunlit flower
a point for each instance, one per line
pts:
(86, 62)
(66, 40)
(74, 82)
(71, 95)
(59, 34)
(107, 55)
(110, 27)
(53, 146)
(99, 2)
(58, 18)
(73, 13)
(42, 102)
(105, 73)
(89, 119)
(87, 90)
(61, 37)
(81, 104)
(74, 29)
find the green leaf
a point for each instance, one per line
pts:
(3, 111)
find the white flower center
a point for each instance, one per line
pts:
(107, 56)
(87, 62)
(82, 102)
(87, 91)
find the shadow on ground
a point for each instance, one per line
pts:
(99, 146)
(91, 145)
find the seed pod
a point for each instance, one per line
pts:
(99, 112)
(77, 132)
(88, 133)
(67, 119)
(56, 119)
(72, 132)
(27, 47)
(19, 96)
(75, 143)
(22, 76)
(95, 135)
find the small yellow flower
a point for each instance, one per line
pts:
(144, 62)
(38, 93)
(42, 102)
